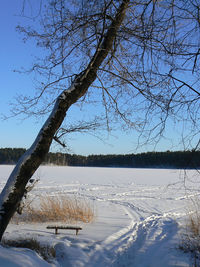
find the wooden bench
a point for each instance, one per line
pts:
(66, 227)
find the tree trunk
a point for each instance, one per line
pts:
(15, 187)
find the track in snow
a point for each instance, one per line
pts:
(137, 222)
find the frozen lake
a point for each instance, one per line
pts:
(139, 215)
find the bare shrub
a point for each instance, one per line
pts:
(190, 241)
(46, 251)
(57, 208)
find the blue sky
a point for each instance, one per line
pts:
(15, 132)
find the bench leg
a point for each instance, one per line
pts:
(56, 230)
(76, 231)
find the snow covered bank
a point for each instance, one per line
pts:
(137, 224)
(16, 257)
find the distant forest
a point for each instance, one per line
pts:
(168, 159)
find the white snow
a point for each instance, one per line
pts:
(139, 213)
(11, 257)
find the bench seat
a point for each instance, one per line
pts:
(65, 227)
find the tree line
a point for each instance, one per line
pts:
(167, 159)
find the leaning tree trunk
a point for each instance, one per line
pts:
(15, 187)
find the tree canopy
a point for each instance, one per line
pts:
(149, 77)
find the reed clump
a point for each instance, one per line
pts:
(57, 208)
(190, 241)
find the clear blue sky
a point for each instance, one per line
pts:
(14, 54)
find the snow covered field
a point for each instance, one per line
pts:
(138, 223)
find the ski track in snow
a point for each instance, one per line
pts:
(138, 217)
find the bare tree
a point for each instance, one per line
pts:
(15, 188)
(138, 59)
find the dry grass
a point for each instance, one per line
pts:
(191, 237)
(57, 208)
(45, 251)
(194, 223)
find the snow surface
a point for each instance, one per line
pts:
(139, 213)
